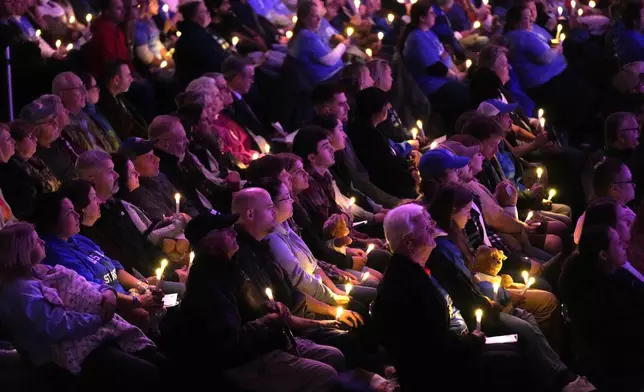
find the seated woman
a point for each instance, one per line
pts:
(92, 90)
(430, 326)
(544, 73)
(59, 224)
(24, 177)
(295, 257)
(55, 316)
(627, 35)
(389, 171)
(431, 65)
(602, 294)
(320, 62)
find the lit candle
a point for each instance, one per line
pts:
(573, 4)
(369, 52)
(560, 10)
(294, 19)
(413, 1)
(479, 316)
(72, 19)
(486, 2)
(527, 285)
(526, 276)
(352, 201)
(540, 113)
(347, 288)
(164, 64)
(58, 43)
(349, 31)
(165, 8)
(38, 33)
(267, 148)
(69, 47)
(192, 258)
(235, 41)
(159, 272)
(551, 194)
(255, 156)
(419, 124)
(88, 18)
(559, 28)
(542, 122)
(592, 4)
(495, 287)
(529, 216)
(381, 35)
(356, 3)
(390, 18)
(370, 248)
(289, 34)
(468, 63)
(476, 25)
(414, 133)
(433, 145)
(178, 34)
(365, 276)
(539, 173)
(580, 12)
(269, 294)
(338, 312)
(562, 38)
(177, 201)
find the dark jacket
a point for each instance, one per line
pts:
(606, 311)
(23, 182)
(155, 196)
(125, 119)
(117, 236)
(449, 269)
(412, 320)
(223, 317)
(197, 52)
(387, 171)
(60, 159)
(243, 114)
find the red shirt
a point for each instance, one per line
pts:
(107, 44)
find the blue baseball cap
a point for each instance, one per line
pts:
(492, 107)
(438, 160)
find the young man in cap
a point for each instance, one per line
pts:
(48, 117)
(155, 194)
(227, 316)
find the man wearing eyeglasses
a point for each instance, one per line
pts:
(621, 135)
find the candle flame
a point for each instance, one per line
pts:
(289, 34)
(477, 25)
(530, 282)
(69, 47)
(562, 37)
(72, 19)
(381, 35)
(391, 18)
(350, 31)
(468, 63)
(479, 315)
(352, 201)
(38, 33)
(192, 257)
(560, 10)
(369, 52)
(486, 2)
(414, 133)
(158, 272)
(338, 312)
(526, 276)
(164, 64)
(347, 288)
(165, 8)
(58, 43)
(177, 197)
(592, 4)
(365, 277)
(164, 264)
(542, 122)
(559, 28)
(370, 248)
(356, 3)
(433, 145)
(178, 34)
(495, 287)
(573, 4)
(269, 293)
(294, 19)
(88, 18)
(419, 124)
(539, 172)
(267, 148)
(551, 194)
(235, 41)
(540, 113)
(580, 12)
(529, 216)
(255, 156)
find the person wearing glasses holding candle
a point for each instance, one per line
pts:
(226, 315)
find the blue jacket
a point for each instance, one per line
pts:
(86, 258)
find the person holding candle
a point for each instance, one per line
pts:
(426, 336)
(603, 293)
(315, 56)
(60, 320)
(59, 224)
(227, 316)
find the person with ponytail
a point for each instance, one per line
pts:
(431, 65)
(316, 56)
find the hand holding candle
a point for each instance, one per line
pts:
(177, 200)
(479, 316)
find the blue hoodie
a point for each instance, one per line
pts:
(86, 258)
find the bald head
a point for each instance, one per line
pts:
(256, 211)
(169, 134)
(71, 91)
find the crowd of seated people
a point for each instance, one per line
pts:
(161, 228)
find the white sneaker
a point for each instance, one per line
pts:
(579, 385)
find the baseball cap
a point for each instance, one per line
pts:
(40, 109)
(133, 147)
(438, 160)
(201, 225)
(492, 107)
(460, 149)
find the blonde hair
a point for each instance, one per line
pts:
(377, 70)
(17, 244)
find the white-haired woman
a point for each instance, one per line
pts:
(417, 321)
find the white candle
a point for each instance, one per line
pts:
(177, 200)
(479, 316)
(551, 194)
(495, 287)
(347, 288)
(338, 312)
(370, 248)
(269, 294)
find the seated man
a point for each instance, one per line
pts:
(148, 48)
(155, 195)
(48, 118)
(115, 107)
(249, 339)
(83, 132)
(202, 188)
(621, 136)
